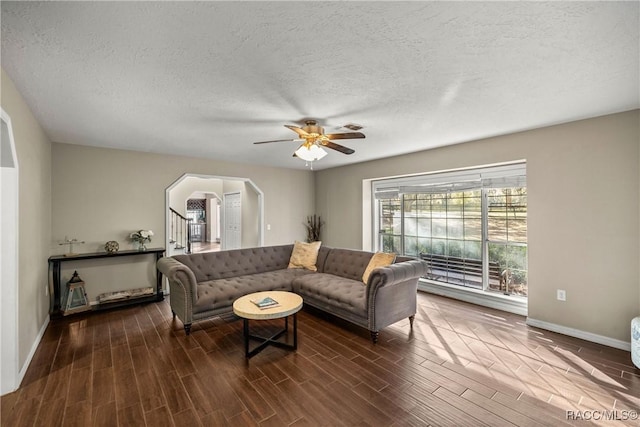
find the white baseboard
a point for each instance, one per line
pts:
(577, 333)
(32, 352)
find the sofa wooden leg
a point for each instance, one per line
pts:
(411, 319)
(187, 328)
(374, 336)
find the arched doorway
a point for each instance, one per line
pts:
(211, 187)
(10, 376)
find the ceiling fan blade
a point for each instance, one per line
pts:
(347, 135)
(276, 140)
(297, 130)
(337, 147)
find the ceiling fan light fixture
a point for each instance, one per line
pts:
(315, 140)
(310, 152)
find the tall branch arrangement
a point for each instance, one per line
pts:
(314, 225)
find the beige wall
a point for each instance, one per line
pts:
(103, 194)
(583, 185)
(34, 159)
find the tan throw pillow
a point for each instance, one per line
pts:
(379, 259)
(304, 255)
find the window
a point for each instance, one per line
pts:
(470, 226)
(196, 212)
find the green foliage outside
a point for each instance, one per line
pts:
(450, 224)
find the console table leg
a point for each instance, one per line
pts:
(56, 288)
(159, 293)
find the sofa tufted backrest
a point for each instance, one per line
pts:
(237, 262)
(347, 263)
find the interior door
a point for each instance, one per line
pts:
(232, 220)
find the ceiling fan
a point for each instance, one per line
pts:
(313, 138)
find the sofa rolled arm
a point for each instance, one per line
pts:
(392, 293)
(396, 273)
(180, 275)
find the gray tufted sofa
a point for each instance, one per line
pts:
(205, 285)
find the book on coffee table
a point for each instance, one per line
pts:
(266, 302)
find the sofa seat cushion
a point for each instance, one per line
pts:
(347, 294)
(221, 293)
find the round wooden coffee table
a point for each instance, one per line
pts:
(288, 305)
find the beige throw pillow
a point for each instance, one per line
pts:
(379, 259)
(304, 255)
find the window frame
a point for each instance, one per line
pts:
(481, 178)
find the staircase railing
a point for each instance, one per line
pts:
(179, 231)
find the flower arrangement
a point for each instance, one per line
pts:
(141, 237)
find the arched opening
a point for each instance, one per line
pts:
(207, 213)
(10, 376)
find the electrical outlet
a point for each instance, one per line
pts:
(46, 291)
(268, 227)
(562, 295)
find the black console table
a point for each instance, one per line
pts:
(56, 261)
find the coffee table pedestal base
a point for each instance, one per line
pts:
(272, 340)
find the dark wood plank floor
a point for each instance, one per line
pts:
(462, 365)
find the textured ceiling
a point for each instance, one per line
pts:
(207, 79)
